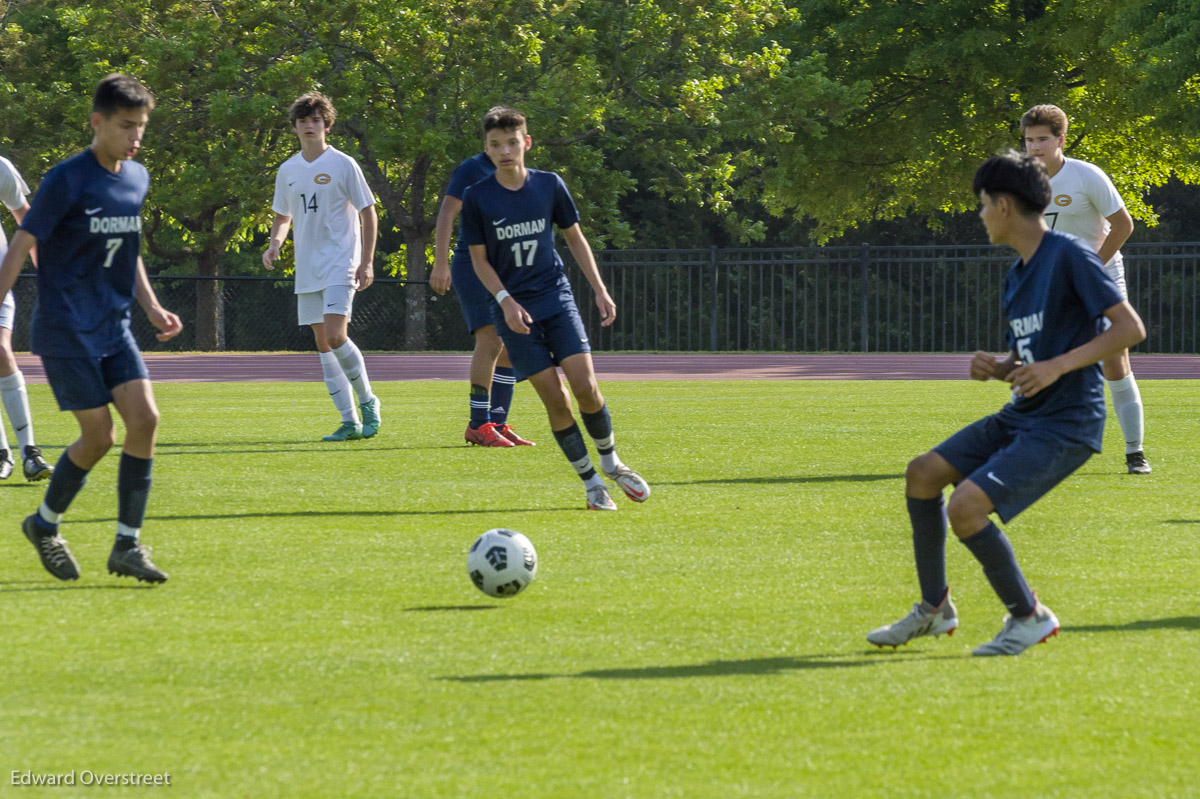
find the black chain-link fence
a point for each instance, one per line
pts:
(853, 299)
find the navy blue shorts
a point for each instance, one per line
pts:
(80, 384)
(548, 343)
(1015, 468)
(475, 300)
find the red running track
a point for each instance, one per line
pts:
(300, 366)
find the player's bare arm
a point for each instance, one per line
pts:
(1126, 331)
(1121, 229)
(985, 366)
(279, 231)
(19, 215)
(515, 316)
(582, 251)
(439, 279)
(365, 275)
(168, 324)
(22, 244)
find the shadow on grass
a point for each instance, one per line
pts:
(436, 608)
(753, 667)
(784, 479)
(285, 447)
(1175, 623)
(1181, 521)
(60, 587)
(335, 514)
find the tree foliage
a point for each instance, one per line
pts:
(947, 81)
(670, 119)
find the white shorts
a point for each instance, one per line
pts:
(8, 311)
(1116, 270)
(312, 307)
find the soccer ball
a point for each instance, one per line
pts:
(502, 563)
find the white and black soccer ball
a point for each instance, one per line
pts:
(502, 562)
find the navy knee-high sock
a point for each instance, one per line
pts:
(993, 551)
(599, 427)
(133, 491)
(479, 406)
(570, 441)
(929, 526)
(67, 480)
(504, 380)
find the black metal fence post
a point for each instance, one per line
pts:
(864, 271)
(712, 308)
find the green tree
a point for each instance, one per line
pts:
(948, 81)
(208, 147)
(671, 84)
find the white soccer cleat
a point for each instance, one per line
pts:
(630, 482)
(598, 499)
(924, 620)
(1020, 634)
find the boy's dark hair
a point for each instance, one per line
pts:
(1018, 175)
(1051, 116)
(313, 104)
(502, 117)
(119, 92)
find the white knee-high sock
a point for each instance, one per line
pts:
(16, 405)
(1127, 402)
(339, 387)
(351, 359)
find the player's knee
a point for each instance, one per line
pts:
(488, 345)
(143, 425)
(1117, 368)
(336, 339)
(968, 511)
(923, 475)
(97, 441)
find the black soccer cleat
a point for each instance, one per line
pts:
(52, 549)
(1136, 463)
(35, 466)
(135, 562)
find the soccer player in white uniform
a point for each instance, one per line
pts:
(12, 383)
(1086, 204)
(323, 191)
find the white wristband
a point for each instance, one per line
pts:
(501, 294)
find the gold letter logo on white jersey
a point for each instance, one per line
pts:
(1062, 200)
(322, 179)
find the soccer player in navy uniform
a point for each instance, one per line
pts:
(1056, 298)
(508, 222)
(488, 425)
(86, 222)
(12, 383)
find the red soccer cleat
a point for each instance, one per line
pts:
(512, 436)
(486, 436)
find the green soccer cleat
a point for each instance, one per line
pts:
(349, 431)
(370, 417)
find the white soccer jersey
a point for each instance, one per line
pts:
(1082, 200)
(12, 193)
(324, 199)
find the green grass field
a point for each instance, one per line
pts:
(319, 636)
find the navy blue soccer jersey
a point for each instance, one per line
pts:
(467, 173)
(1054, 304)
(517, 228)
(88, 224)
